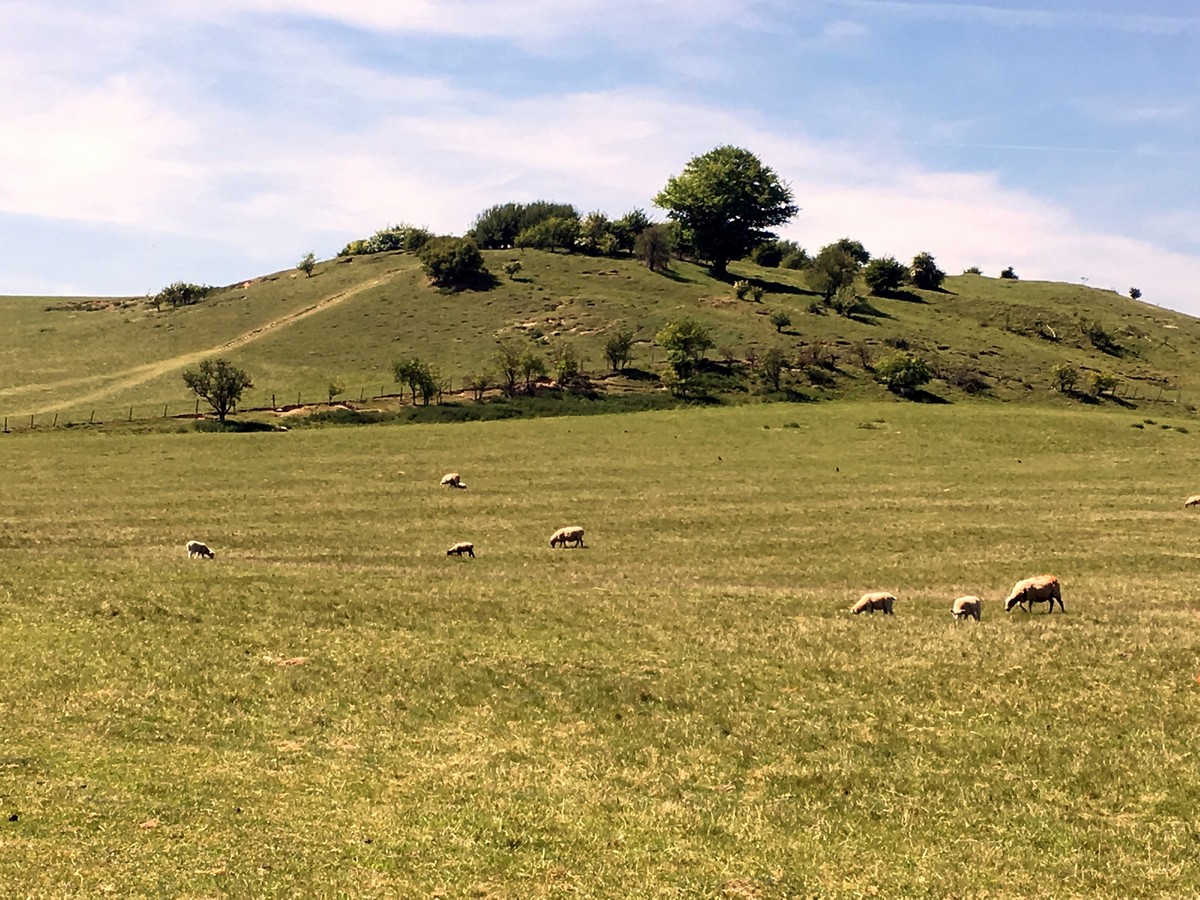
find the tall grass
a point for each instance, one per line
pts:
(683, 708)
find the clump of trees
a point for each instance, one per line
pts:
(422, 379)
(404, 237)
(219, 383)
(181, 293)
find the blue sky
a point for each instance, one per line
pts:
(144, 143)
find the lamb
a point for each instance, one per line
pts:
(199, 548)
(1039, 589)
(454, 480)
(873, 601)
(1193, 500)
(462, 547)
(967, 606)
(572, 533)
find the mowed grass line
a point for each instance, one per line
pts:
(685, 708)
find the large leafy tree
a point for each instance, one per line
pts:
(219, 383)
(725, 201)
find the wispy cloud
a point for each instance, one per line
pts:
(1021, 17)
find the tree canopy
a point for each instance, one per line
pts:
(219, 383)
(725, 201)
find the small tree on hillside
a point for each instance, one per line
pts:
(412, 373)
(508, 365)
(1065, 377)
(925, 274)
(833, 269)
(684, 342)
(307, 263)
(654, 246)
(219, 383)
(1135, 293)
(335, 389)
(780, 320)
(618, 349)
(1009, 274)
(771, 366)
(854, 249)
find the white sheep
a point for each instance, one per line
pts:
(1193, 500)
(454, 480)
(462, 547)
(199, 548)
(967, 606)
(572, 533)
(873, 601)
(1038, 589)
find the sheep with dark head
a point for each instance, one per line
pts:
(462, 547)
(1038, 589)
(870, 602)
(572, 534)
(967, 606)
(199, 548)
(454, 480)
(1193, 500)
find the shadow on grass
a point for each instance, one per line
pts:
(232, 426)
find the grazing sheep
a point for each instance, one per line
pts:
(462, 547)
(1039, 589)
(1193, 500)
(454, 480)
(572, 533)
(199, 548)
(967, 606)
(873, 601)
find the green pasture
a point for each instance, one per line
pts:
(69, 360)
(685, 708)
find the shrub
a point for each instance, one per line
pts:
(307, 263)
(1102, 383)
(973, 270)
(512, 267)
(452, 262)
(780, 320)
(1135, 293)
(498, 226)
(925, 274)
(745, 290)
(884, 275)
(1009, 273)
(902, 373)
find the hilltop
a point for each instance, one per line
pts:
(356, 316)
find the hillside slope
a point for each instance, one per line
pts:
(357, 316)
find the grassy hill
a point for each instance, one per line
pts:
(357, 316)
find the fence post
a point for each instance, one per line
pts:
(197, 406)
(6, 424)
(130, 414)
(55, 425)
(273, 406)
(164, 410)
(31, 420)
(297, 398)
(92, 418)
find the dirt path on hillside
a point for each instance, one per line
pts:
(111, 382)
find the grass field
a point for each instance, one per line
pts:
(685, 708)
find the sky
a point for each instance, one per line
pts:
(211, 141)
